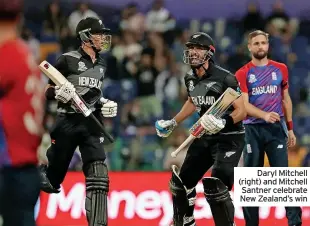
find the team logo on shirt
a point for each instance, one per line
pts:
(191, 86)
(274, 76)
(252, 78)
(209, 85)
(82, 66)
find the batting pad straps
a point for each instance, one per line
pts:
(97, 183)
(189, 219)
(96, 174)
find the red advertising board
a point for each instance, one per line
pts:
(136, 199)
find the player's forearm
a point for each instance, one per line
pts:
(288, 109)
(187, 110)
(238, 115)
(253, 111)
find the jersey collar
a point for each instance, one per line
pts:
(85, 55)
(209, 70)
(253, 65)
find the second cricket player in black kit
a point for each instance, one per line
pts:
(220, 147)
(85, 72)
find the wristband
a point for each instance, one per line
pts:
(50, 93)
(174, 122)
(289, 125)
(229, 122)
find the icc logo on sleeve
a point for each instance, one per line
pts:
(252, 78)
(191, 86)
(82, 66)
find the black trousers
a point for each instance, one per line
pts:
(69, 132)
(19, 192)
(223, 152)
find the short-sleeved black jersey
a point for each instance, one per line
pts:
(86, 76)
(205, 90)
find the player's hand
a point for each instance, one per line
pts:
(211, 124)
(109, 108)
(165, 127)
(291, 141)
(272, 117)
(65, 92)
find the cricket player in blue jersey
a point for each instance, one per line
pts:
(268, 126)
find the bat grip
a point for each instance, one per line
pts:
(105, 133)
(198, 131)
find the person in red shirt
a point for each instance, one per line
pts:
(268, 126)
(21, 115)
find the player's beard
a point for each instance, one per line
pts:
(260, 55)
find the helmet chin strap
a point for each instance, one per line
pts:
(200, 65)
(93, 47)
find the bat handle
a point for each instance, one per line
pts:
(183, 145)
(198, 131)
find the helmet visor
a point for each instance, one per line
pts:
(195, 56)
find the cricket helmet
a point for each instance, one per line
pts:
(201, 41)
(93, 26)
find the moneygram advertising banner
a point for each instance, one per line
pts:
(136, 199)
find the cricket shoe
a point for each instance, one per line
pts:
(45, 184)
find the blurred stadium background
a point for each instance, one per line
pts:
(144, 30)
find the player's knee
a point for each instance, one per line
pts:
(225, 174)
(214, 188)
(176, 184)
(96, 174)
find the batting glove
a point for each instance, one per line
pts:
(65, 92)
(211, 124)
(109, 108)
(165, 127)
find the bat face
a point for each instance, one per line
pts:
(52, 73)
(217, 109)
(223, 103)
(59, 79)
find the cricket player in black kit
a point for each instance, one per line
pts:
(85, 71)
(220, 147)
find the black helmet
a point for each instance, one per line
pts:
(90, 26)
(200, 40)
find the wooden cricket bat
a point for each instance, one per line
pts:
(78, 102)
(217, 109)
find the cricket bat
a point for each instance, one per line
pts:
(217, 109)
(78, 102)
